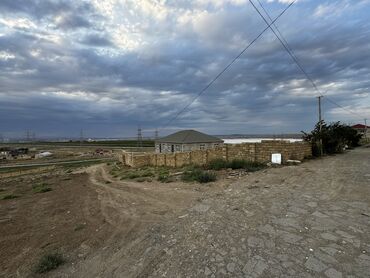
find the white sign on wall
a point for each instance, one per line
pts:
(276, 158)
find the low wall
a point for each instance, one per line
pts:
(257, 152)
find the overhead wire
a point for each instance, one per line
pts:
(226, 68)
(289, 50)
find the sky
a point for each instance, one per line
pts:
(109, 66)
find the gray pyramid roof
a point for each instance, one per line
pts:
(189, 137)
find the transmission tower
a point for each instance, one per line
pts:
(28, 135)
(156, 134)
(139, 138)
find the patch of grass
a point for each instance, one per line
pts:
(251, 166)
(217, 164)
(163, 175)
(41, 188)
(138, 173)
(199, 176)
(8, 197)
(164, 178)
(49, 262)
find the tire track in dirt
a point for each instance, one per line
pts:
(132, 211)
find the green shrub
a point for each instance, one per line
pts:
(140, 173)
(217, 164)
(237, 164)
(198, 175)
(41, 188)
(132, 175)
(253, 166)
(163, 177)
(49, 262)
(333, 136)
(8, 197)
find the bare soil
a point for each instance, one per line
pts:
(310, 220)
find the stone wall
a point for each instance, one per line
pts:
(258, 152)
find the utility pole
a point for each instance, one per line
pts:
(139, 138)
(320, 123)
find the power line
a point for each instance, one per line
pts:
(286, 46)
(346, 109)
(227, 67)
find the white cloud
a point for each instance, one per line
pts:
(21, 23)
(4, 55)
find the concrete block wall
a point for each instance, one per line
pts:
(258, 152)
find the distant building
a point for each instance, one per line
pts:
(10, 153)
(362, 129)
(187, 140)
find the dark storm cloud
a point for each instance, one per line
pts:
(42, 8)
(96, 40)
(139, 62)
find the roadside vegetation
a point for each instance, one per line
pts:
(49, 262)
(189, 173)
(335, 137)
(199, 175)
(8, 196)
(41, 188)
(250, 166)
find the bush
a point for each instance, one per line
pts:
(217, 164)
(199, 176)
(162, 177)
(334, 137)
(8, 197)
(41, 188)
(237, 164)
(141, 173)
(49, 262)
(253, 166)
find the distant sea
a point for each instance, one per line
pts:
(255, 140)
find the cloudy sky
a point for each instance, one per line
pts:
(108, 66)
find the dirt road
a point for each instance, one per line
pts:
(311, 220)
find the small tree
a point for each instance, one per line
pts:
(334, 137)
